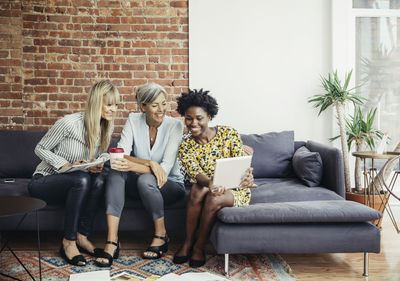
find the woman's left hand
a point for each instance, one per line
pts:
(96, 169)
(248, 179)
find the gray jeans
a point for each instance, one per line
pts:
(140, 186)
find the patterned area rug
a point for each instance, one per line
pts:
(54, 268)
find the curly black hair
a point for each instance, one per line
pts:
(197, 98)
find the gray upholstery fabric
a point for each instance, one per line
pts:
(288, 190)
(300, 212)
(333, 176)
(19, 187)
(295, 238)
(23, 144)
(272, 153)
(308, 166)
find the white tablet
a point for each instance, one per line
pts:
(229, 172)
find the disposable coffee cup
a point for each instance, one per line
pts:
(116, 153)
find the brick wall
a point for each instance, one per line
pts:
(52, 51)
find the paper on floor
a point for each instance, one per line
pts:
(192, 276)
(101, 275)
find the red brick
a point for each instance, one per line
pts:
(109, 4)
(125, 75)
(46, 89)
(178, 36)
(132, 67)
(179, 4)
(29, 17)
(114, 20)
(71, 74)
(143, 27)
(82, 3)
(133, 20)
(158, 52)
(10, 112)
(58, 18)
(36, 81)
(46, 73)
(60, 50)
(82, 19)
(4, 53)
(68, 42)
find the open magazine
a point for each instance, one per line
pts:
(81, 167)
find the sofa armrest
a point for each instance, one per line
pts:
(333, 176)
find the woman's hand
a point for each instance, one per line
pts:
(121, 164)
(248, 179)
(159, 173)
(217, 190)
(77, 162)
(96, 169)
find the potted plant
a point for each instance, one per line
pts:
(338, 95)
(360, 131)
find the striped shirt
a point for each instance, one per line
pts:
(64, 143)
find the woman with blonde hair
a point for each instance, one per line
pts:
(76, 139)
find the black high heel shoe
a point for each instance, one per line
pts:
(158, 250)
(107, 256)
(96, 252)
(77, 260)
(182, 259)
(197, 263)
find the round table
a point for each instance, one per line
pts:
(369, 181)
(21, 205)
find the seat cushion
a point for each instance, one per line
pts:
(273, 153)
(14, 187)
(300, 212)
(289, 190)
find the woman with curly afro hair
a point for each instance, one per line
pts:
(197, 154)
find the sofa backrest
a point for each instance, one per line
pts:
(17, 156)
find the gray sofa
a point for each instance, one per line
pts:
(292, 210)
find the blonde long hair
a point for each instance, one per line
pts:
(95, 125)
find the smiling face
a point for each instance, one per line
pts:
(155, 111)
(108, 109)
(196, 120)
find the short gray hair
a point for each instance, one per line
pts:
(148, 93)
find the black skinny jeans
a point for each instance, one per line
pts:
(79, 191)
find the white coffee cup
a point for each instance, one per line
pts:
(116, 153)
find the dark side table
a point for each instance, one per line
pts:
(20, 205)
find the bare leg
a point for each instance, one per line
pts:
(112, 223)
(193, 211)
(159, 227)
(84, 242)
(212, 205)
(70, 248)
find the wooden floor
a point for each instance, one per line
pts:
(307, 267)
(383, 266)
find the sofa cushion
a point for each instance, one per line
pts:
(14, 187)
(272, 153)
(300, 212)
(289, 190)
(17, 147)
(307, 166)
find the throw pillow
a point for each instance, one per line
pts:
(307, 166)
(272, 153)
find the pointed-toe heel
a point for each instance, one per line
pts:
(77, 260)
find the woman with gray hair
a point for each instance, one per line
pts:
(149, 170)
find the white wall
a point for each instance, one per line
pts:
(261, 60)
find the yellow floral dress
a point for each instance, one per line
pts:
(198, 158)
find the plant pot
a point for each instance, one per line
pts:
(377, 202)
